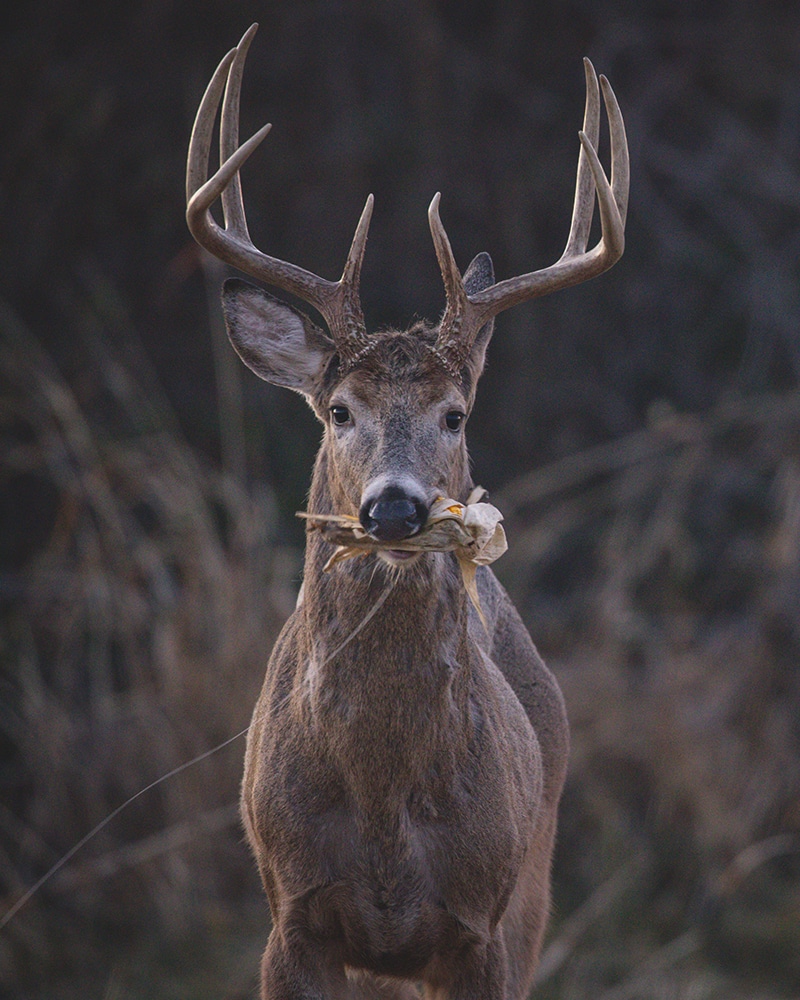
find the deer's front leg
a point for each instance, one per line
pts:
(295, 970)
(481, 974)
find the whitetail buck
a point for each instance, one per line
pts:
(404, 767)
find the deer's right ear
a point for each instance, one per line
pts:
(279, 343)
(478, 276)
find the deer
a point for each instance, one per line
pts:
(406, 755)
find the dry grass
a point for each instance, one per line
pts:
(661, 574)
(134, 638)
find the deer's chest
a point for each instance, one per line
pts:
(391, 862)
(394, 891)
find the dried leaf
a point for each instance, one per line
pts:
(472, 531)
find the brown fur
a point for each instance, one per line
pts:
(401, 785)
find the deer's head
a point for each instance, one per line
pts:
(394, 404)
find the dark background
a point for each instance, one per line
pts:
(641, 433)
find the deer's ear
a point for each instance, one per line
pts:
(480, 275)
(279, 343)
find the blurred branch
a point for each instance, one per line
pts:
(596, 906)
(574, 470)
(664, 958)
(751, 858)
(177, 835)
(669, 430)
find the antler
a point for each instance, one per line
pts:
(337, 301)
(465, 314)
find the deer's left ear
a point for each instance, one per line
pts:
(279, 343)
(479, 275)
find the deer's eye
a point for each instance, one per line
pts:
(454, 420)
(340, 414)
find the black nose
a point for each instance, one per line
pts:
(393, 516)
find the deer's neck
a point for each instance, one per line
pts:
(389, 687)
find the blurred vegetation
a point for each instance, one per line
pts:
(641, 433)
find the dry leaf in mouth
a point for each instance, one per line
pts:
(471, 530)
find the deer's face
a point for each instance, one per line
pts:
(394, 424)
(395, 439)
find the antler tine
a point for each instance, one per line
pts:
(466, 314)
(347, 326)
(620, 160)
(337, 301)
(200, 141)
(583, 206)
(455, 293)
(232, 202)
(351, 275)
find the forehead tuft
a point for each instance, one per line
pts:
(403, 355)
(399, 357)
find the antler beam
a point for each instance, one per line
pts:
(337, 301)
(465, 314)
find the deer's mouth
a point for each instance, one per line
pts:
(398, 557)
